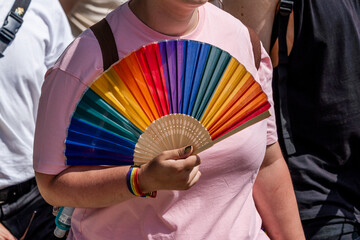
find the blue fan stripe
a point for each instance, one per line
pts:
(191, 55)
(203, 55)
(84, 151)
(91, 141)
(96, 161)
(90, 150)
(80, 126)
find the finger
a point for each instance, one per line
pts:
(190, 162)
(194, 177)
(175, 154)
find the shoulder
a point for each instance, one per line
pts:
(228, 33)
(82, 58)
(221, 16)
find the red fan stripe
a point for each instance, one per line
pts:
(147, 73)
(162, 79)
(130, 73)
(151, 55)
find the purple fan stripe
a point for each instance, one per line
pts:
(163, 53)
(180, 62)
(171, 51)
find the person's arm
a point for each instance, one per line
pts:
(101, 186)
(256, 14)
(275, 199)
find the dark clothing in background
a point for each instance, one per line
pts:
(29, 217)
(323, 99)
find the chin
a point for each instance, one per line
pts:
(195, 2)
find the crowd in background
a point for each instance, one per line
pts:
(292, 176)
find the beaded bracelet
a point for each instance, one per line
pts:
(132, 181)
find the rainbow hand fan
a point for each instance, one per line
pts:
(163, 96)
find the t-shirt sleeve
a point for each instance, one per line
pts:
(63, 87)
(60, 93)
(265, 78)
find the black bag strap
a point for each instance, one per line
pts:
(105, 37)
(280, 79)
(12, 23)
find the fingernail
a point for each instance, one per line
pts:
(188, 149)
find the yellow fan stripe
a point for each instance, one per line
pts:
(242, 89)
(258, 101)
(114, 91)
(252, 98)
(233, 80)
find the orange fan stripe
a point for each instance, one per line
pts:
(253, 116)
(248, 100)
(129, 71)
(245, 112)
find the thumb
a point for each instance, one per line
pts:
(185, 151)
(179, 153)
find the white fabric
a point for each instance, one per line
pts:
(88, 12)
(42, 37)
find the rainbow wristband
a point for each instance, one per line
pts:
(132, 181)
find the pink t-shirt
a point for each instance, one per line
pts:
(220, 205)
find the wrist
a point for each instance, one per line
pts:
(134, 186)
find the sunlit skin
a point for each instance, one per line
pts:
(257, 14)
(181, 16)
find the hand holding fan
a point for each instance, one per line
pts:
(163, 96)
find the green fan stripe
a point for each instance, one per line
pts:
(94, 110)
(214, 69)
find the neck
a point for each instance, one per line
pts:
(169, 18)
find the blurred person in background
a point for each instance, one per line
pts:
(38, 42)
(314, 49)
(84, 13)
(256, 14)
